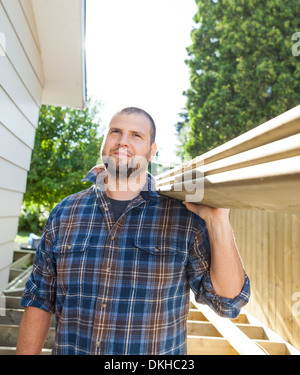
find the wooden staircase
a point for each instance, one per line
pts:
(208, 334)
(10, 311)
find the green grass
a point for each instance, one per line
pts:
(22, 237)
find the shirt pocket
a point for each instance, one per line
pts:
(156, 245)
(72, 265)
(159, 264)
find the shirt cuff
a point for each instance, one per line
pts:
(31, 300)
(225, 307)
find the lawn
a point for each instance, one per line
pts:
(22, 237)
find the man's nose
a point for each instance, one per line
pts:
(123, 139)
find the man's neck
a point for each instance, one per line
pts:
(125, 189)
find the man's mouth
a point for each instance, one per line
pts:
(121, 153)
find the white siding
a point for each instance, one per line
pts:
(22, 80)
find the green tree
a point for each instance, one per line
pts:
(67, 145)
(242, 69)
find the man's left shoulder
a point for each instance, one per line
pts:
(176, 208)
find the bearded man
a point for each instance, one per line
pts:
(116, 262)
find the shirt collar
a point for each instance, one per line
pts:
(97, 174)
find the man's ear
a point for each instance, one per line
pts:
(153, 150)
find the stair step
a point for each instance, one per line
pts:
(198, 345)
(274, 348)
(195, 314)
(12, 302)
(196, 328)
(242, 318)
(5, 350)
(9, 336)
(14, 316)
(253, 332)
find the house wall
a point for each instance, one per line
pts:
(269, 244)
(22, 81)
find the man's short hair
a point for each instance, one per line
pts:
(139, 111)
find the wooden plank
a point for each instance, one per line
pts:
(251, 187)
(264, 264)
(274, 348)
(198, 345)
(281, 149)
(237, 339)
(295, 315)
(271, 301)
(280, 127)
(287, 276)
(257, 250)
(195, 314)
(242, 319)
(279, 256)
(272, 335)
(196, 328)
(252, 331)
(252, 248)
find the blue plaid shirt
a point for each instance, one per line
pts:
(123, 287)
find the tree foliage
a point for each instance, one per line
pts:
(67, 145)
(242, 69)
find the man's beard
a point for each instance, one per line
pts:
(125, 169)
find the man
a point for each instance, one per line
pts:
(116, 262)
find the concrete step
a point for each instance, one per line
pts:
(6, 350)
(9, 336)
(14, 316)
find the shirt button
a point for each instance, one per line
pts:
(156, 250)
(98, 344)
(106, 209)
(108, 269)
(103, 306)
(113, 237)
(69, 247)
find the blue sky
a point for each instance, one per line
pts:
(135, 57)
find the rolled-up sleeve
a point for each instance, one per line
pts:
(200, 282)
(40, 288)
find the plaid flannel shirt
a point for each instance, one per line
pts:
(123, 287)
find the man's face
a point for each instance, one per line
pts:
(126, 148)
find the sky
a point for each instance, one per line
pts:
(135, 57)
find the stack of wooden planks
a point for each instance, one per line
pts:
(259, 169)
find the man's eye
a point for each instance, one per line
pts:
(137, 135)
(115, 131)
